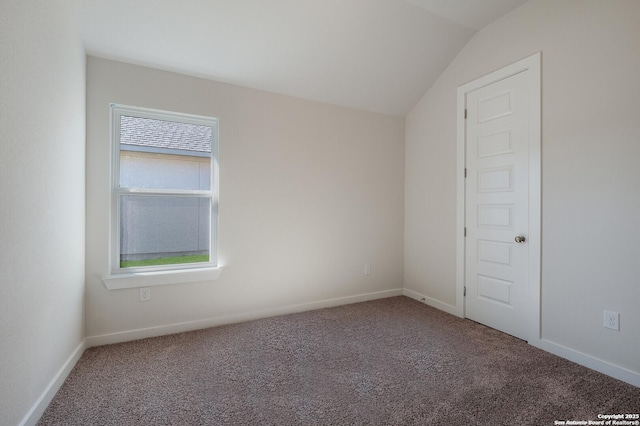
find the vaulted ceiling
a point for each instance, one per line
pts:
(374, 55)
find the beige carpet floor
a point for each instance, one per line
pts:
(387, 362)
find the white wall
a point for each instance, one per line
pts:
(309, 194)
(590, 173)
(42, 122)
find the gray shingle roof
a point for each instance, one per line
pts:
(153, 133)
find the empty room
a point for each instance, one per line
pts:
(382, 212)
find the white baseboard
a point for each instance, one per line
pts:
(47, 395)
(125, 336)
(588, 361)
(45, 398)
(572, 355)
(38, 408)
(450, 309)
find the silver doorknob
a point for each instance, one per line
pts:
(520, 239)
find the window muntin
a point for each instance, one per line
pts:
(164, 198)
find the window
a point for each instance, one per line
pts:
(164, 190)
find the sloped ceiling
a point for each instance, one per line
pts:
(374, 55)
(474, 14)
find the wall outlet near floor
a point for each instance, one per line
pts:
(612, 320)
(145, 294)
(367, 269)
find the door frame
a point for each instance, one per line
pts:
(531, 65)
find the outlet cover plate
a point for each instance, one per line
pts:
(367, 269)
(612, 320)
(145, 294)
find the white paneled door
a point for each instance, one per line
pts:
(497, 205)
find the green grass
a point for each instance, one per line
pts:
(164, 261)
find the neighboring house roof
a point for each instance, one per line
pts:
(165, 135)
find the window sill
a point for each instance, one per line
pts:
(148, 279)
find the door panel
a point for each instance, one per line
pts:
(496, 191)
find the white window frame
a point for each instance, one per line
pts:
(162, 274)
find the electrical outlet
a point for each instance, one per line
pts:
(367, 269)
(612, 320)
(145, 294)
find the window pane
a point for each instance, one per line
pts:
(159, 154)
(163, 230)
(161, 171)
